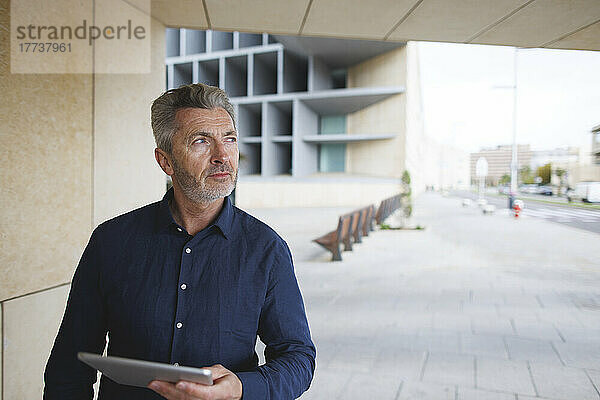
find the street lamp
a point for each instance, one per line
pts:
(513, 162)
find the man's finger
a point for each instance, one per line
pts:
(196, 389)
(217, 371)
(167, 390)
(220, 387)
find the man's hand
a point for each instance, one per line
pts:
(226, 386)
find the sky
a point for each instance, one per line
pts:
(468, 95)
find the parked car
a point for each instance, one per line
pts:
(504, 189)
(545, 190)
(588, 192)
(528, 189)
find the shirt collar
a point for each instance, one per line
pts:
(224, 220)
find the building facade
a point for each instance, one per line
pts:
(596, 145)
(499, 160)
(564, 158)
(588, 167)
(321, 121)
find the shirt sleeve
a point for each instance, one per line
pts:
(283, 327)
(83, 328)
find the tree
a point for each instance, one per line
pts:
(504, 180)
(561, 174)
(545, 172)
(406, 182)
(406, 200)
(526, 175)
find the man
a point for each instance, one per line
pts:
(190, 280)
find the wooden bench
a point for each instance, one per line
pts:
(351, 228)
(368, 223)
(332, 240)
(364, 222)
(387, 208)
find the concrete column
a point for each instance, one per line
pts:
(222, 73)
(268, 147)
(304, 155)
(78, 149)
(250, 78)
(280, 71)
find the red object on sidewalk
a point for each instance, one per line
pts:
(517, 207)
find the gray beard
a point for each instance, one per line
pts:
(196, 190)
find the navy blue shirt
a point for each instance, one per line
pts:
(163, 295)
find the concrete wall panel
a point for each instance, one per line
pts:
(126, 174)
(30, 326)
(46, 142)
(354, 18)
(1, 346)
(383, 158)
(257, 16)
(387, 69)
(295, 193)
(542, 22)
(379, 158)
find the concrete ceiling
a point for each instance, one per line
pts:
(336, 53)
(564, 24)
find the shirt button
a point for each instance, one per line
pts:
(176, 364)
(179, 325)
(183, 286)
(188, 250)
(179, 229)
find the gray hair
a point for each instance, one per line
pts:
(165, 107)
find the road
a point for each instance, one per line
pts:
(587, 219)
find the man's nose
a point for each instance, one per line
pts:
(219, 154)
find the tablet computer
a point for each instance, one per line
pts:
(127, 371)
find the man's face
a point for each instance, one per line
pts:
(205, 154)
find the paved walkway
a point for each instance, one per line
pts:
(474, 307)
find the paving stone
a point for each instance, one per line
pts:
(514, 312)
(371, 386)
(450, 369)
(326, 385)
(535, 330)
(504, 376)
(426, 391)
(452, 322)
(325, 352)
(487, 297)
(483, 345)
(558, 318)
(492, 326)
(520, 299)
(416, 321)
(352, 357)
(444, 306)
(532, 350)
(579, 355)
(404, 364)
(479, 311)
(580, 335)
(395, 341)
(477, 394)
(562, 383)
(595, 377)
(437, 341)
(588, 318)
(552, 300)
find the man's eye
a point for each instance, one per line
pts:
(199, 141)
(231, 139)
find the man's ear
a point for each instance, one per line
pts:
(162, 158)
